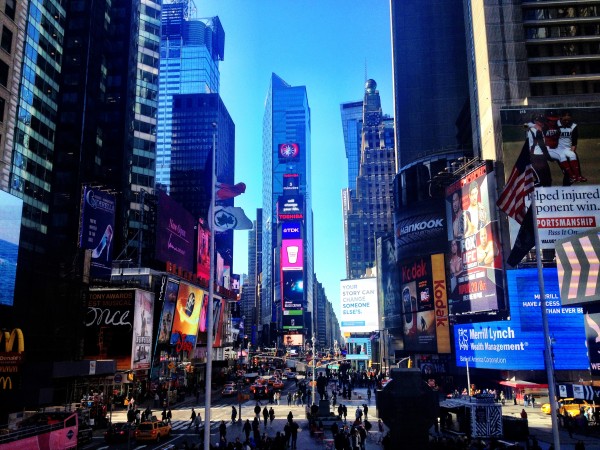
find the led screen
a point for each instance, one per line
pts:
(293, 289)
(168, 312)
(292, 254)
(358, 348)
(518, 343)
(187, 316)
(288, 152)
(11, 210)
(141, 351)
(359, 312)
(203, 251)
(291, 340)
(174, 233)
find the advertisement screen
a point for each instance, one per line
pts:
(174, 233)
(359, 305)
(518, 343)
(168, 312)
(293, 289)
(141, 351)
(96, 229)
(290, 207)
(288, 152)
(474, 254)
(203, 252)
(187, 316)
(11, 210)
(109, 324)
(291, 340)
(291, 184)
(291, 230)
(424, 305)
(358, 348)
(420, 230)
(293, 319)
(569, 137)
(292, 254)
(592, 335)
(389, 289)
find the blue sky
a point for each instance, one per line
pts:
(325, 45)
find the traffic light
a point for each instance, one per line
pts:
(410, 363)
(130, 376)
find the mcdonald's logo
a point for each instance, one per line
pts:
(4, 382)
(9, 340)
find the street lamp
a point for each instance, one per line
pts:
(314, 380)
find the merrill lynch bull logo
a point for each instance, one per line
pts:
(9, 340)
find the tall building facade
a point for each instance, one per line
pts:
(190, 51)
(286, 151)
(250, 300)
(368, 212)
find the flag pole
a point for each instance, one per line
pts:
(547, 345)
(209, 326)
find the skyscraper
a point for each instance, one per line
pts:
(190, 51)
(286, 150)
(368, 212)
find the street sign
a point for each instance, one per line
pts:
(118, 378)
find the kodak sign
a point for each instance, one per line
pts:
(440, 298)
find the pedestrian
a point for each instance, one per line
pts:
(340, 411)
(523, 414)
(362, 432)
(287, 431)
(289, 399)
(164, 415)
(233, 414)
(294, 430)
(366, 411)
(355, 440)
(358, 413)
(169, 415)
(257, 410)
(247, 428)
(345, 412)
(290, 417)
(192, 417)
(138, 417)
(532, 401)
(265, 415)
(222, 430)
(369, 394)
(381, 430)
(198, 423)
(271, 415)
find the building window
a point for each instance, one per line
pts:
(6, 41)
(9, 9)
(3, 73)
(2, 104)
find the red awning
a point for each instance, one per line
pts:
(519, 384)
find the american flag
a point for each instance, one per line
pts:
(518, 187)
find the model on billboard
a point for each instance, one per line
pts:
(567, 148)
(456, 263)
(475, 215)
(458, 217)
(486, 250)
(538, 150)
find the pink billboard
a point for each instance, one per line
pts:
(292, 256)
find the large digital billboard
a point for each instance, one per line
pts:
(203, 251)
(425, 304)
(388, 283)
(292, 254)
(291, 183)
(187, 317)
(293, 289)
(141, 351)
(174, 233)
(288, 152)
(293, 319)
(11, 210)
(290, 207)
(358, 348)
(290, 340)
(518, 343)
(360, 312)
(169, 295)
(96, 229)
(291, 230)
(474, 254)
(420, 230)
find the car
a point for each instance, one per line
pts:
(260, 390)
(85, 434)
(571, 406)
(119, 432)
(291, 375)
(152, 431)
(228, 391)
(546, 408)
(277, 384)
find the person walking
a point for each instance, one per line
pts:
(345, 412)
(271, 415)
(197, 423)
(294, 431)
(289, 399)
(223, 430)
(233, 414)
(366, 411)
(192, 417)
(169, 416)
(247, 428)
(265, 415)
(257, 410)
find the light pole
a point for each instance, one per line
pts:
(314, 361)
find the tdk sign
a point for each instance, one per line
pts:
(290, 230)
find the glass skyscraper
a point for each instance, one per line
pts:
(286, 120)
(190, 51)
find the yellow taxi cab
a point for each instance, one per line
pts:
(152, 431)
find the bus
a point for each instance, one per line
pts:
(43, 431)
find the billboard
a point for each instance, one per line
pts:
(291, 340)
(420, 229)
(288, 152)
(293, 289)
(592, 336)
(578, 263)
(292, 254)
(360, 312)
(203, 251)
(169, 294)
(11, 210)
(388, 284)
(291, 184)
(474, 254)
(518, 343)
(290, 207)
(174, 233)
(141, 349)
(425, 304)
(96, 229)
(358, 348)
(291, 230)
(109, 325)
(187, 317)
(293, 319)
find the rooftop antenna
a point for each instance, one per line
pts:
(366, 75)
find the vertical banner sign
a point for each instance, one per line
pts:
(96, 229)
(440, 299)
(141, 352)
(187, 317)
(168, 311)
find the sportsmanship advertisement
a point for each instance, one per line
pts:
(360, 312)
(518, 343)
(474, 258)
(11, 209)
(187, 317)
(141, 351)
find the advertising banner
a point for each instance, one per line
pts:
(518, 343)
(174, 233)
(141, 351)
(291, 230)
(96, 229)
(288, 152)
(290, 207)
(291, 184)
(293, 289)
(218, 315)
(293, 319)
(359, 312)
(389, 284)
(420, 230)
(203, 252)
(109, 323)
(292, 254)
(11, 210)
(358, 348)
(187, 317)
(474, 258)
(171, 289)
(291, 340)
(592, 335)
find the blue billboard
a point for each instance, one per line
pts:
(518, 343)
(11, 209)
